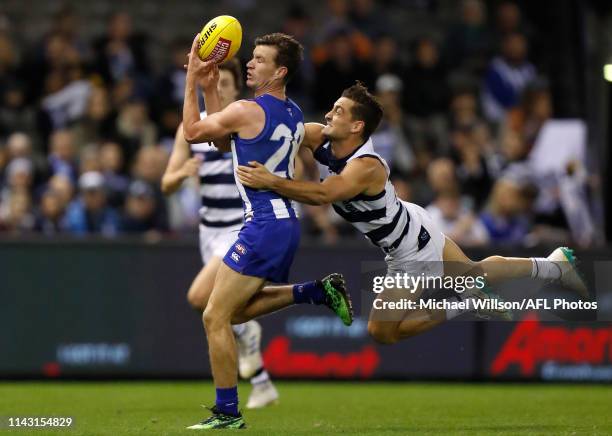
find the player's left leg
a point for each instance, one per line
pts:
(232, 290)
(388, 326)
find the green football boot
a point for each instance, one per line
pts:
(337, 298)
(219, 420)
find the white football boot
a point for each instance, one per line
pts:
(570, 278)
(263, 394)
(249, 353)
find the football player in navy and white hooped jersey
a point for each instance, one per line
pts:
(221, 217)
(267, 128)
(359, 190)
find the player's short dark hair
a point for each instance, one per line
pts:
(366, 108)
(289, 51)
(234, 67)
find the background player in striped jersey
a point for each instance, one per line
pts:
(268, 128)
(221, 218)
(360, 191)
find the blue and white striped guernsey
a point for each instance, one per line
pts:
(221, 202)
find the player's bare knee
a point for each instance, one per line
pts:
(214, 319)
(195, 300)
(381, 333)
(481, 265)
(491, 259)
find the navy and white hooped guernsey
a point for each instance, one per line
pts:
(221, 202)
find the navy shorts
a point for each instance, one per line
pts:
(265, 249)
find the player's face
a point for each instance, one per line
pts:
(262, 69)
(340, 123)
(228, 93)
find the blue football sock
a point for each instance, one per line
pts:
(227, 400)
(309, 293)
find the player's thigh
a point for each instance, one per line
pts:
(387, 312)
(202, 286)
(231, 292)
(455, 260)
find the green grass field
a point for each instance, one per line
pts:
(157, 408)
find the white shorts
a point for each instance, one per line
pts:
(407, 258)
(215, 241)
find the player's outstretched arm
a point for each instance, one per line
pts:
(207, 75)
(359, 176)
(180, 166)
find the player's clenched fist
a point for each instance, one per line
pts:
(206, 73)
(191, 166)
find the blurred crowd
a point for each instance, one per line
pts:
(87, 126)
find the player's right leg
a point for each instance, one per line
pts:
(559, 266)
(329, 291)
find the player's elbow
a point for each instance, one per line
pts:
(166, 185)
(166, 189)
(191, 134)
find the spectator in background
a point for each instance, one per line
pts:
(169, 92)
(140, 213)
(149, 167)
(463, 109)
(57, 76)
(298, 24)
(527, 119)
(441, 178)
(19, 145)
(471, 166)
(428, 93)
(506, 78)
(62, 158)
(468, 42)
(134, 127)
(506, 216)
(456, 219)
(4, 159)
(50, 217)
(111, 165)
(509, 19)
(90, 214)
(19, 178)
(368, 18)
(63, 187)
(426, 96)
(338, 19)
(121, 53)
(89, 159)
(66, 24)
(171, 85)
(389, 139)
(386, 58)
(14, 111)
(340, 71)
(16, 214)
(98, 121)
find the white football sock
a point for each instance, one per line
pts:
(543, 268)
(239, 329)
(260, 378)
(454, 313)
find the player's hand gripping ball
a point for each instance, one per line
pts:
(220, 39)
